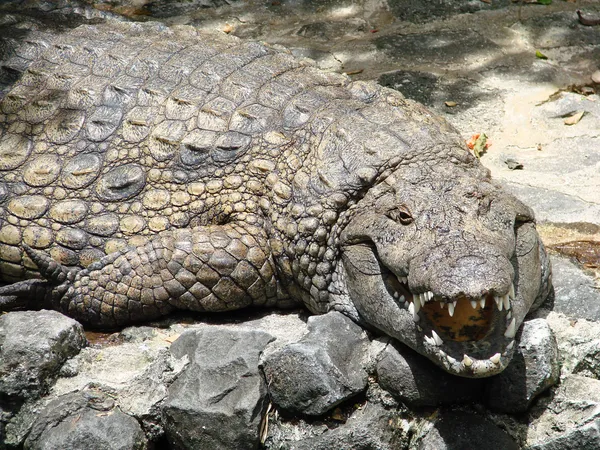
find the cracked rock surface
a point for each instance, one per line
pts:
(218, 401)
(323, 369)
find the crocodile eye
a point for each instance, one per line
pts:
(400, 214)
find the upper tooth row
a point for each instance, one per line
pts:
(419, 300)
(504, 301)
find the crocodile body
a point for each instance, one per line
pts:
(146, 169)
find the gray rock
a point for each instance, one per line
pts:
(534, 368)
(143, 396)
(219, 399)
(82, 421)
(416, 381)
(459, 430)
(569, 420)
(371, 427)
(589, 364)
(575, 292)
(33, 347)
(578, 343)
(320, 371)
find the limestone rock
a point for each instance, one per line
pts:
(85, 420)
(570, 420)
(219, 399)
(534, 368)
(33, 347)
(370, 427)
(575, 292)
(320, 371)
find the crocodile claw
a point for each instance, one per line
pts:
(48, 267)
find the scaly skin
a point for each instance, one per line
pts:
(145, 169)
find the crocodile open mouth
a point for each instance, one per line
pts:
(466, 335)
(473, 335)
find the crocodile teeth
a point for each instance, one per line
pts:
(511, 330)
(467, 361)
(442, 305)
(510, 346)
(473, 304)
(403, 280)
(436, 338)
(429, 295)
(396, 295)
(417, 302)
(511, 291)
(482, 302)
(496, 358)
(401, 299)
(450, 359)
(429, 340)
(506, 302)
(451, 307)
(499, 302)
(411, 309)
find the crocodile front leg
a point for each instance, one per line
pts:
(211, 268)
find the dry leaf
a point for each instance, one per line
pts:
(540, 55)
(338, 415)
(354, 72)
(513, 164)
(450, 104)
(539, 147)
(572, 120)
(227, 28)
(487, 1)
(587, 21)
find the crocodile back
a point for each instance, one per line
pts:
(119, 131)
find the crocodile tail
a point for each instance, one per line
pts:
(49, 269)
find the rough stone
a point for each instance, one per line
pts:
(417, 382)
(219, 400)
(370, 427)
(575, 292)
(85, 420)
(578, 343)
(534, 368)
(459, 430)
(568, 420)
(320, 371)
(33, 347)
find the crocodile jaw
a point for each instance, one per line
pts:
(466, 339)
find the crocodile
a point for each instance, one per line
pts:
(147, 169)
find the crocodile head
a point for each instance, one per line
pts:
(449, 265)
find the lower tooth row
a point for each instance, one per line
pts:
(434, 340)
(475, 365)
